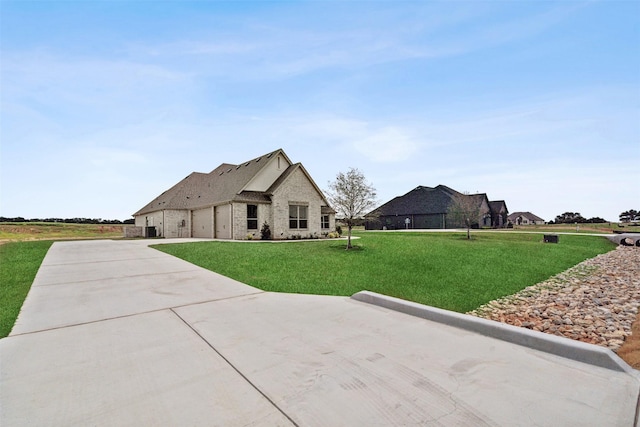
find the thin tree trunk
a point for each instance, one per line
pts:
(349, 237)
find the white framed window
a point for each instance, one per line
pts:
(298, 217)
(324, 222)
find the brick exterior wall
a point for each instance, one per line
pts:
(240, 229)
(297, 189)
(168, 223)
(131, 231)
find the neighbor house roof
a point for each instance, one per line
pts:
(420, 200)
(432, 200)
(528, 215)
(498, 206)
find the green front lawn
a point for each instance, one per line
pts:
(443, 270)
(439, 269)
(19, 263)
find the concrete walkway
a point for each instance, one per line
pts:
(115, 333)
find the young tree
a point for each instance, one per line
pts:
(465, 210)
(351, 196)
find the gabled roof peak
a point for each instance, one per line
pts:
(229, 167)
(220, 185)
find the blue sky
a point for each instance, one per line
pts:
(106, 104)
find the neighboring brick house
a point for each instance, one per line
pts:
(524, 218)
(234, 201)
(427, 207)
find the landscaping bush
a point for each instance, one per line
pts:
(265, 232)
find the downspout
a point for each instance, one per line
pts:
(164, 235)
(232, 220)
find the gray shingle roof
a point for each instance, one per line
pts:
(528, 215)
(428, 201)
(223, 184)
(420, 200)
(498, 206)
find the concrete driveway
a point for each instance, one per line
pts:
(116, 333)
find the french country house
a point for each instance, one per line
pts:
(234, 201)
(427, 207)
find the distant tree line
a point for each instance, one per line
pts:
(68, 220)
(575, 217)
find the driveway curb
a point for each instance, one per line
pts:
(559, 346)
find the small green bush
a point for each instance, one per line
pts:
(265, 232)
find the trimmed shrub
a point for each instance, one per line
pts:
(265, 232)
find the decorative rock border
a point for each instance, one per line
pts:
(595, 301)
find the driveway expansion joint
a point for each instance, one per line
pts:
(244, 377)
(164, 273)
(139, 313)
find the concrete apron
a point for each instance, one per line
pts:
(116, 333)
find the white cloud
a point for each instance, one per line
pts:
(386, 145)
(73, 89)
(378, 143)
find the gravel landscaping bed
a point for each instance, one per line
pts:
(595, 301)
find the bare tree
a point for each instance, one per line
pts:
(465, 210)
(351, 196)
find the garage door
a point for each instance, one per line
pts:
(223, 222)
(201, 221)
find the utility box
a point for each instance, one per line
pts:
(149, 232)
(551, 238)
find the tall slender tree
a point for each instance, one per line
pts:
(465, 210)
(352, 197)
